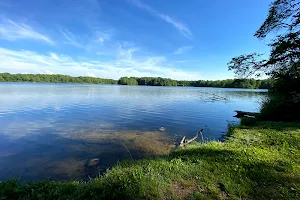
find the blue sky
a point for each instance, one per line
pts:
(179, 39)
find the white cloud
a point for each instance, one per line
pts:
(54, 56)
(178, 25)
(42, 72)
(11, 30)
(91, 74)
(95, 41)
(125, 53)
(100, 39)
(102, 36)
(182, 28)
(49, 72)
(181, 61)
(70, 39)
(125, 64)
(182, 50)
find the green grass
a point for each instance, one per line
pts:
(255, 162)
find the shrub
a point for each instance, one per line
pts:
(281, 108)
(248, 121)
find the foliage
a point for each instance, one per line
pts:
(127, 81)
(153, 81)
(281, 108)
(284, 19)
(229, 83)
(53, 78)
(283, 64)
(150, 81)
(246, 65)
(249, 121)
(283, 14)
(257, 162)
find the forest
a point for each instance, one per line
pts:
(228, 83)
(150, 81)
(53, 78)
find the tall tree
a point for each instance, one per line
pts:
(283, 20)
(283, 64)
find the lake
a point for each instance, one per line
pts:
(50, 131)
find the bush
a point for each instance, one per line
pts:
(248, 121)
(281, 108)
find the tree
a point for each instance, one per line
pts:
(127, 81)
(284, 18)
(283, 63)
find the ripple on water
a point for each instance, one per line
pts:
(51, 130)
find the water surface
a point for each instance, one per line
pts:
(43, 126)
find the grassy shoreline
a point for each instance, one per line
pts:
(254, 162)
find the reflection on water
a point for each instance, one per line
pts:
(49, 131)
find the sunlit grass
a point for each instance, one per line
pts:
(257, 162)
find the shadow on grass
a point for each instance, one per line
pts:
(278, 126)
(236, 172)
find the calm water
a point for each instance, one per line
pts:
(39, 122)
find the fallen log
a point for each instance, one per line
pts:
(185, 142)
(245, 114)
(182, 141)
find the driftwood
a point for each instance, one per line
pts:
(185, 142)
(182, 141)
(245, 114)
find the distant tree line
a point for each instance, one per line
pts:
(53, 78)
(150, 81)
(229, 83)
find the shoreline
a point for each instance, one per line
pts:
(254, 162)
(149, 81)
(100, 84)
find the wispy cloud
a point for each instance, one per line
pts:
(181, 61)
(91, 74)
(125, 64)
(102, 36)
(182, 50)
(124, 52)
(93, 41)
(70, 38)
(182, 28)
(11, 30)
(178, 25)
